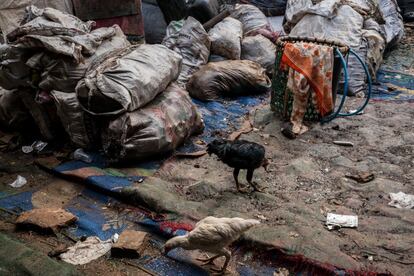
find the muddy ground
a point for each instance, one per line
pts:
(307, 179)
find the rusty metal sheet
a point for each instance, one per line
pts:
(102, 9)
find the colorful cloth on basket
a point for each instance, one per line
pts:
(315, 62)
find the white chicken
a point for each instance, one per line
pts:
(212, 234)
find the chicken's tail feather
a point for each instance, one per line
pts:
(246, 224)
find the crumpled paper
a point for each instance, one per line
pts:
(84, 252)
(401, 200)
(337, 221)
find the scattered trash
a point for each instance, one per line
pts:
(84, 252)
(130, 244)
(293, 234)
(344, 143)
(37, 147)
(46, 218)
(81, 155)
(19, 182)
(260, 216)
(27, 149)
(115, 238)
(355, 110)
(401, 200)
(337, 221)
(370, 258)
(362, 177)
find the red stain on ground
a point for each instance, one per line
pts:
(174, 226)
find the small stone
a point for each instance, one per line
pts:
(324, 151)
(260, 216)
(263, 116)
(354, 203)
(302, 167)
(361, 177)
(202, 189)
(131, 244)
(46, 218)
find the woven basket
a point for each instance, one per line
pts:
(281, 97)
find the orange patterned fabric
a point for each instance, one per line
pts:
(315, 63)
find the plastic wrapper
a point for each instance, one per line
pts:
(228, 78)
(158, 128)
(128, 79)
(226, 38)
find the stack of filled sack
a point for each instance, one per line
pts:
(102, 91)
(233, 58)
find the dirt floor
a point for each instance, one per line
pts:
(307, 179)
